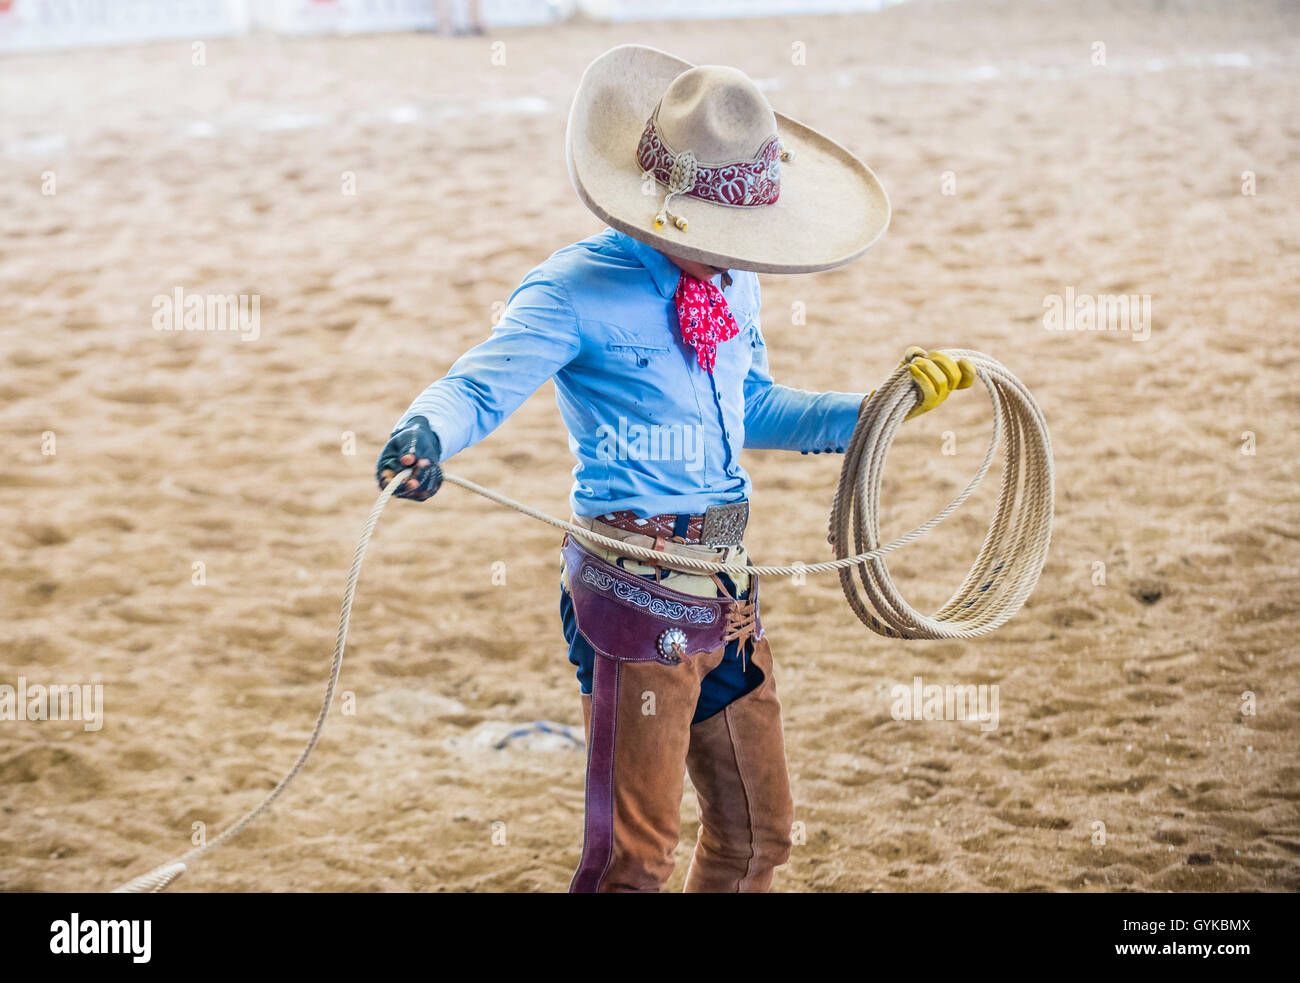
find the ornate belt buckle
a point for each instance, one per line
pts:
(724, 525)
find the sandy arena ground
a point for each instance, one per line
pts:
(1121, 703)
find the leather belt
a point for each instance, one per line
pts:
(718, 525)
(717, 554)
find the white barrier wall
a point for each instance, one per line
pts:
(634, 10)
(359, 16)
(347, 16)
(33, 24)
(30, 24)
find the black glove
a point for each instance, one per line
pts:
(415, 446)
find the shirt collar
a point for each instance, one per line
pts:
(663, 270)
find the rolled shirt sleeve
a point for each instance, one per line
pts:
(536, 337)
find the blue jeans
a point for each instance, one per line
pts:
(733, 678)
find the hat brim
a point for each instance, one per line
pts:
(832, 208)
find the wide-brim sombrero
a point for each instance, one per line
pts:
(831, 208)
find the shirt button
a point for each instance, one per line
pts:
(643, 361)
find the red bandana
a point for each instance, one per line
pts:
(704, 318)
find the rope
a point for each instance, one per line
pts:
(1004, 573)
(1013, 553)
(164, 874)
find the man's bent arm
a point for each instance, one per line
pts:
(781, 418)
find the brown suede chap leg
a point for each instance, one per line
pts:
(737, 764)
(639, 717)
(635, 772)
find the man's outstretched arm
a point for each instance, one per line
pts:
(535, 338)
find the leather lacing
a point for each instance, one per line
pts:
(742, 619)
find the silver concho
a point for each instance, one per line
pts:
(670, 639)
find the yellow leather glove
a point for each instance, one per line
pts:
(936, 375)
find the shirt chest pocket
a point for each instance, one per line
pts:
(737, 355)
(641, 356)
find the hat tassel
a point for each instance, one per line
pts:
(681, 179)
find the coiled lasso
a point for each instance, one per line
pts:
(1004, 573)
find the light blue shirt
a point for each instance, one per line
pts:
(652, 431)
